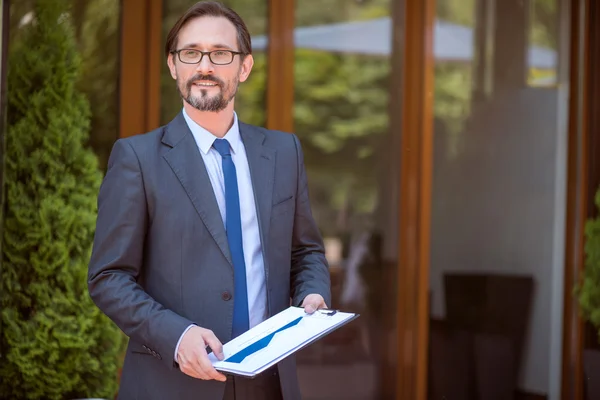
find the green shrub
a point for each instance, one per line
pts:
(55, 343)
(589, 290)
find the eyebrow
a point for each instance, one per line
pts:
(214, 46)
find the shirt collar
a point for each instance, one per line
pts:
(205, 139)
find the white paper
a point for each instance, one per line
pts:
(284, 343)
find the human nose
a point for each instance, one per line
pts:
(205, 66)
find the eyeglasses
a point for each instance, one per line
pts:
(217, 57)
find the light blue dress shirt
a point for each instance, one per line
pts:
(255, 271)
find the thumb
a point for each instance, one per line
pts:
(310, 308)
(214, 343)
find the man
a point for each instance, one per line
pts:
(204, 228)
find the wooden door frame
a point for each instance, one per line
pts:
(582, 154)
(142, 58)
(141, 61)
(593, 98)
(415, 61)
(139, 107)
(280, 65)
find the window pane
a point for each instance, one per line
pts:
(97, 23)
(543, 43)
(498, 200)
(342, 75)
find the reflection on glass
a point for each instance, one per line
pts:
(96, 24)
(498, 201)
(342, 71)
(250, 99)
(543, 43)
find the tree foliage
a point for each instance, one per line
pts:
(588, 292)
(97, 33)
(56, 343)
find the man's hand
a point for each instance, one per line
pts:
(193, 358)
(313, 302)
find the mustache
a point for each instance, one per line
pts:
(200, 77)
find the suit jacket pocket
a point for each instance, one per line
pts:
(283, 206)
(137, 348)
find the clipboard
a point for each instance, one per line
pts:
(278, 337)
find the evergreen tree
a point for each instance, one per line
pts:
(588, 290)
(55, 343)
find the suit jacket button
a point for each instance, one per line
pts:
(226, 296)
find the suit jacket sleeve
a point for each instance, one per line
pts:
(117, 259)
(309, 268)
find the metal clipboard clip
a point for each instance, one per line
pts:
(327, 312)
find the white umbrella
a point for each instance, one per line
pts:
(452, 42)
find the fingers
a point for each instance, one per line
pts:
(191, 367)
(204, 362)
(214, 343)
(192, 356)
(200, 367)
(205, 368)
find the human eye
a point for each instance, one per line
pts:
(190, 53)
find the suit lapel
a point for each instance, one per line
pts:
(261, 160)
(186, 162)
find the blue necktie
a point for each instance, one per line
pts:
(259, 344)
(233, 227)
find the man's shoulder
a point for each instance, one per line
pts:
(145, 146)
(274, 138)
(145, 139)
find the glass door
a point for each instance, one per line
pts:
(499, 193)
(341, 113)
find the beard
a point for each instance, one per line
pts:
(204, 101)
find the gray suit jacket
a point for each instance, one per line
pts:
(161, 261)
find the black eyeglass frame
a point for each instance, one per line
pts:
(209, 53)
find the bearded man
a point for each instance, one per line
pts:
(204, 228)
